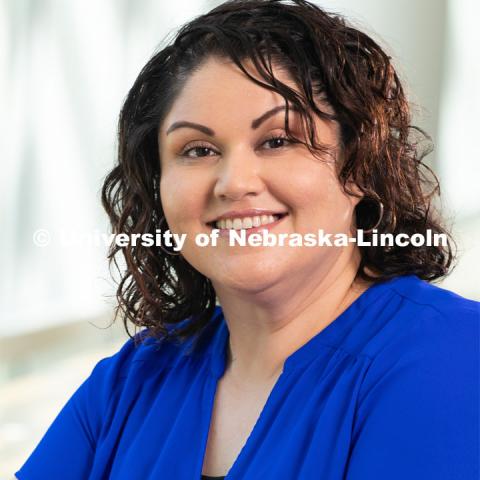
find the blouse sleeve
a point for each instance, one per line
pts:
(67, 448)
(418, 408)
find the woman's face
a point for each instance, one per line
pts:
(232, 159)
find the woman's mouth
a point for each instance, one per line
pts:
(253, 224)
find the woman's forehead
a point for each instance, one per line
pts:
(222, 82)
(219, 88)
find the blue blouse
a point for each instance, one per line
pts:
(388, 390)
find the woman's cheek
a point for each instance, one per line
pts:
(170, 204)
(182, 209)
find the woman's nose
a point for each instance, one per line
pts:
(238, 176)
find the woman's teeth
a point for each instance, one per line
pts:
(246, 222)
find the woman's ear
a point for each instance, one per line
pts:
(354, 192)
(351, 188)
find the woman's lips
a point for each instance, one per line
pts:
(224, 232)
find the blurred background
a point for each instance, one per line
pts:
(65, 67)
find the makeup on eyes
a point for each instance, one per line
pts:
(282, 140)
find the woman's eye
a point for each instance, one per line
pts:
(276, 142)
(198, 151)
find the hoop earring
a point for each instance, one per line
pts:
(168, 252)
(380, 215)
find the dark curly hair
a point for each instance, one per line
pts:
(327, 59)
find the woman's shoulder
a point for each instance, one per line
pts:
(418, 305)
(144, 354)
(426, 344)
(420, 387)
(425, 296)
(423, 325)
(418, 316)
(103, 401)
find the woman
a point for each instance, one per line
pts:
(328, 362)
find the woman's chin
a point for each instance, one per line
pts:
(250, 276)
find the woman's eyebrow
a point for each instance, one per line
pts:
(208, 131)
(196, 126)
(269, 113)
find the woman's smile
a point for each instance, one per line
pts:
(252, 221)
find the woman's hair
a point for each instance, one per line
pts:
(327, 59)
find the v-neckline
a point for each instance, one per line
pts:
(327, 337)
(211, 403)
